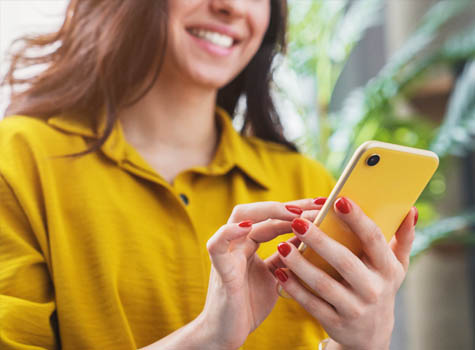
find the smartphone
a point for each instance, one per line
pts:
(385, 180)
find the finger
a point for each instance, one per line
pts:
(401, 243)
(268, 230)
(261, 211)
(274, 261)
(263, 232)
(317, 307)
(319, 281)
(218, 245)
(348, 265)
(308, 203)
(373, 241)
(310, 215)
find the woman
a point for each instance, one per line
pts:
(163, 233)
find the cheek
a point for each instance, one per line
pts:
(178, 12)
(262, 21)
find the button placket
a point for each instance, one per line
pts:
(181, 188)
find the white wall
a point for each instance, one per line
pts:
(19, 17)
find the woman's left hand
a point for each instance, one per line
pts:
(357, 312)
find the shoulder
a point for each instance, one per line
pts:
(33, 131)
(293, 169)
(26, 141)
(24, 129)
(19, 135)
(19, 123)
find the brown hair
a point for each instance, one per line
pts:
(85, 73)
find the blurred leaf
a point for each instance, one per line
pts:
(457, 133)
(361, 16)
(380, 91)
(442, 229)
(322, 35)
(427, 31)
(460, 46)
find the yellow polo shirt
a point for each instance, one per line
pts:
(100, 252)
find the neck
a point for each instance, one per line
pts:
(172, 118)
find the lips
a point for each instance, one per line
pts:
(219, 29)
(213, 37)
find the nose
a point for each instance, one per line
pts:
(229, 8)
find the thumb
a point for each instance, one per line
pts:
(218, 245)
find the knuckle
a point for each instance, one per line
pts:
(322, 287)
(393, 267)
(347, 264)
(271, 224)
(374, 235)
(337, 322)
(310, 214)
(376, 290)
(317, 237)
(355, 313)
(211, 245)
(222, 230)
(313, 304)
(213, 242)
(238, 209)
(373, 295)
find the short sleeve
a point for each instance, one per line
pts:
(27, 306)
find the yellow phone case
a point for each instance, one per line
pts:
(386, 192)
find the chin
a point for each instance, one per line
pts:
(214, 81)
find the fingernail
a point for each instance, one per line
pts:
(281, 275)
(416, 217)
(294, 209)
(343, 205)
(284, 249)
(300, 225)
(320, 200)
(247, 223)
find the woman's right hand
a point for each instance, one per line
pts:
(242, 287)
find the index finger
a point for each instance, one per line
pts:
(373, 241)
(261, 211)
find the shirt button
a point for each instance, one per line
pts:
(184, 198)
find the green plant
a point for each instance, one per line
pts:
(321, 45)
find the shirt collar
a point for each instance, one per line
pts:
(237, 150)
(234, 150)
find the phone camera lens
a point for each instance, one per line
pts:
(373, 160)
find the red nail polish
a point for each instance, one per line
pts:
(320, 200)
(343, 205)
(281, 275)
(300, 225)
(416, 217)
(247, 223)
(294, 209)
(284, 249)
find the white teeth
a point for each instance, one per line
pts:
(213, 37)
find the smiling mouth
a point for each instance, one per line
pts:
(214, 38)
